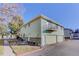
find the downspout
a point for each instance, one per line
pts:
(56, 39)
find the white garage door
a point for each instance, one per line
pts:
(50, 39)
(60, 38)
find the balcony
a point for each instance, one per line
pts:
(51, 28)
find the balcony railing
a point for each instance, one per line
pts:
(51, 28)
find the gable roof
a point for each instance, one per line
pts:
(68, 29)
(45, 18)
(41, 16)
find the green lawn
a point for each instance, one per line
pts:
(1, 50)
(1, 42)
(1, 47)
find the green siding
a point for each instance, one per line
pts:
(36, 29)
(58, 32)
(32, 31)
(50, 37)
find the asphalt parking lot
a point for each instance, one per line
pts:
(66, 48)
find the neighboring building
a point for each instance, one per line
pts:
(42, 31)
(76, 34)
(68, 33)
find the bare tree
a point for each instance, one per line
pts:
(10, 13)
(11, 9)
(2, 25)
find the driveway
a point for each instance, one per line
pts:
(66, 48)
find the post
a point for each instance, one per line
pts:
(56, 39)
(28, 38)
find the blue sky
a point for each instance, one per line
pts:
(65, 14)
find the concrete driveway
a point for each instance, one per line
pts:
(66, 48)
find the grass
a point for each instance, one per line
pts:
(24, 49)
(1, 50)
(1, 47)
(1, 42)
(18, 49)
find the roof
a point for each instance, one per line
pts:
(68, 29)
(44, 17)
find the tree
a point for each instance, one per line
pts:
(9, 9)
(15, 23)
(77, 31)
(3, 26)
(10, 12)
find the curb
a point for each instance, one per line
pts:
(28, 53)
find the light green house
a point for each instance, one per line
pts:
(43, 31)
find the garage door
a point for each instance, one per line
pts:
(50, 39)
(60, 38)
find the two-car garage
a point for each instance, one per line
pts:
(52, 39)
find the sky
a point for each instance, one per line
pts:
(65, 14)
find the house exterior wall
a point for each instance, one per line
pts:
(60, 30)
(60, 34)
(21, 32)
(60, 38)
(50, 39)
(36, 29)
(55, 36)
(31, 31)
(68, 33)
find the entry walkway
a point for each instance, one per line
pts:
(7, 50)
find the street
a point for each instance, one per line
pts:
(66, 48)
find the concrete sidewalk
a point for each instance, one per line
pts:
(8, 51)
